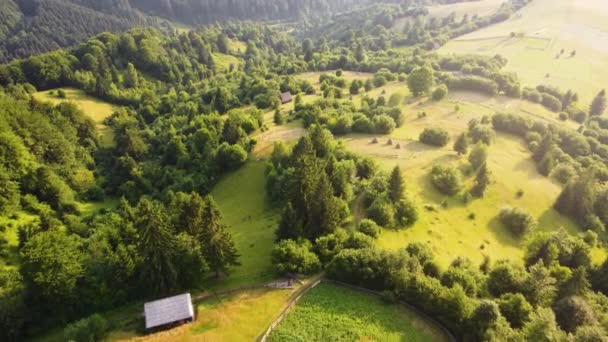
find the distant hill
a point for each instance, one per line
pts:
(29, 27)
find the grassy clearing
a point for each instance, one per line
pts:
(567, 24)
(96, 109)
(237, 46)
(9, 256)
(334, 313)
(242, 199)
(224, 61)
(449, 231)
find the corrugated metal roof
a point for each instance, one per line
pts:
(168, 310)
(286, 97)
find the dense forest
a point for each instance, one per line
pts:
(185, 118)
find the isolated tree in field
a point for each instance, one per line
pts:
(420, 80)
(218, 247)
(156, 245)
(482, 180)
(369, 85)
(396, 186)
(461, 146)
(131, 77)
(354, 87)
(598, 106)
(517, 220)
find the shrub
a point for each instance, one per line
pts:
(563, 173)
(435, 137)
(517, 220)
(551, 102)
(384, 124)
(446, 179)
(230, 157)
(515, 308)
(405, 212)
(382, 212)
(563, 116)
(61, 94)
(440, 92)
(369, 227)
(363, 125)
(93, 328)
(295, 257)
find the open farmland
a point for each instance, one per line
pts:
(532, 45)
(334, 313)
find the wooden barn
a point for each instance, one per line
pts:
(286, 98)
(169, 312)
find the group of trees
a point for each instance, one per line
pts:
(112, 257)
(544, 300)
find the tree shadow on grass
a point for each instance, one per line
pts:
(503, 235)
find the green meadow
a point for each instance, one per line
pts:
(96, 109)
(533, 50)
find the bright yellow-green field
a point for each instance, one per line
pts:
(580, 25)
(96, 109)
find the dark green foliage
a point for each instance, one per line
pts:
(369, 227)
(446, 179)
(396, 186)
(230, 157)
(440, 92)
(599, 104)
(461, 145)
(478, 155)
(482, 180)
(590, 334)
(517, 220)
(435, 137)
(295, 257)
(506, 277)
(93, 328)
(573, 312)
(515, 308)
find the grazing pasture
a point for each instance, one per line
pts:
(334, 313)
(533, 46)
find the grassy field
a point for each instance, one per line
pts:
(96, 109)
(567, 24)
(334, 313)
(242, 199)
(449, 231)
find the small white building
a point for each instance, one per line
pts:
(169, 311)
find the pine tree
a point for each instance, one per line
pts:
(577, 285)
(131, 77)
(218, 247)
(598, 106)
(482, 180)
(461, 146)
(156, 245)
(396, 186)
(191, 218)
(325, 212)
(290, 226)
(360, 55)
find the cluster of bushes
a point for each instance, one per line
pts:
(549, 296)
(550, 97)
(435, 137)
(447, 179)
(343, 117)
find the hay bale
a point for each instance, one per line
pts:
(389, 142)
(375, 141)
(398, 146)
